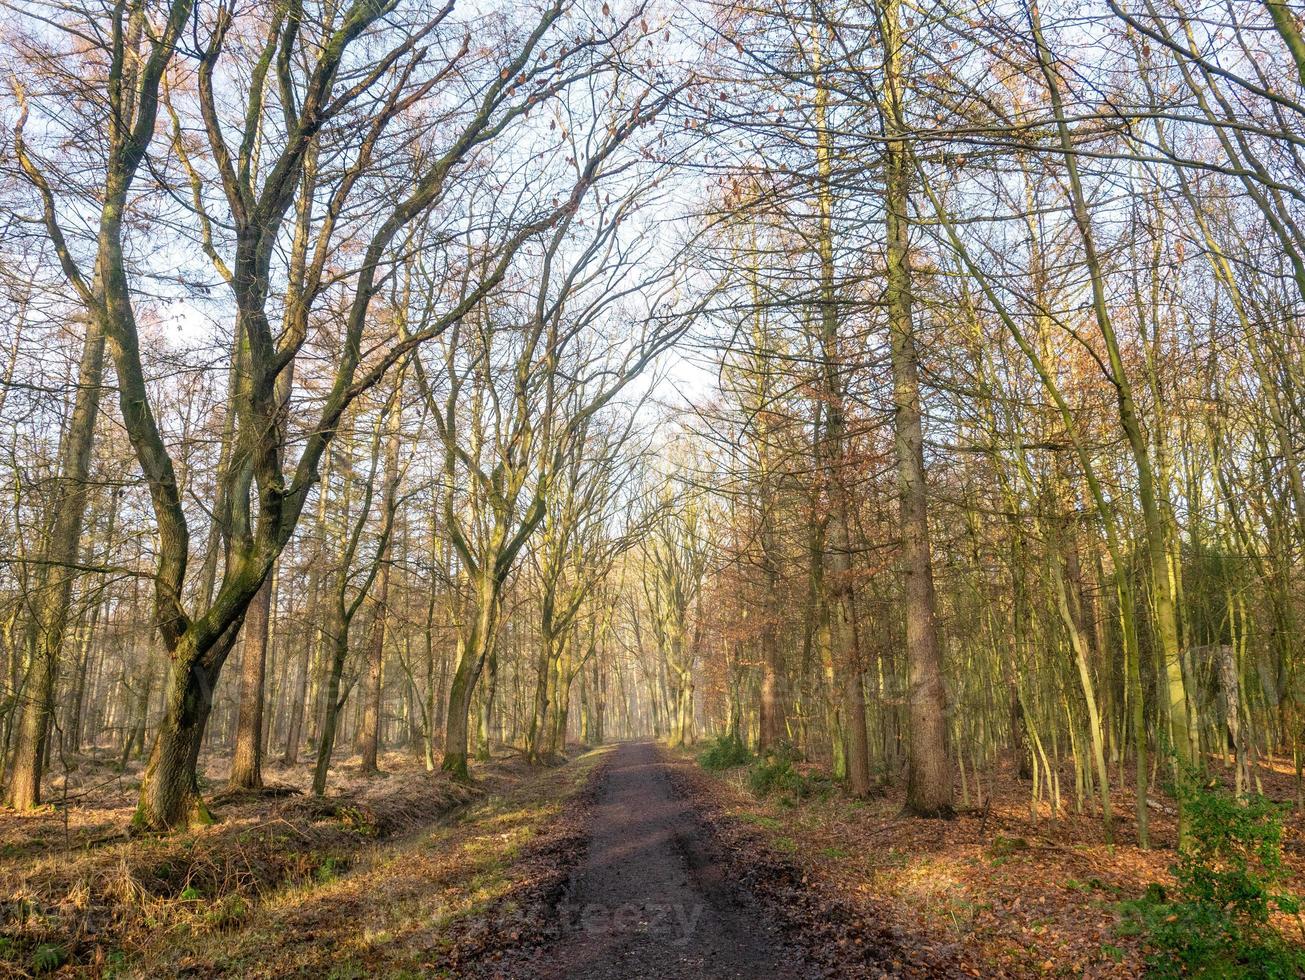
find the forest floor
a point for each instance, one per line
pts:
(283, 884)
(993, 891)
(626, 861)
(611, 866)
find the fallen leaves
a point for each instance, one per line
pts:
(1001, 895)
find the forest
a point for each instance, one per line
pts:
(828, 472)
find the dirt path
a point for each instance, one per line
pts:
(650, 902)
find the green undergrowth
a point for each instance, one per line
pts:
(724, 752)
(774, 773)
(1218, 921)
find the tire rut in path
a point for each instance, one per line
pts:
(650, 902)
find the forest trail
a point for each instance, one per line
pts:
(648, 902)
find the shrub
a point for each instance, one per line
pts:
(726, 752)
(1229, 870)
(775, 773)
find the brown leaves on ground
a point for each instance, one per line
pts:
(413, 874)
(990, 893)
(77, 890)
(847, 936)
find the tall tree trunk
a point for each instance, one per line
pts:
(770, 721)
(833, 546)
(55, 579)
(599, 729)
(334, 701)
(371, 707)
(483, 752)
(247, 760)
(299, 695)
(371, 716)
(476, 645)
(77, 708)
(543, 672)
(432, 697)
(929, 775)
(169, 793)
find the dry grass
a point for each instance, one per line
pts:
(428, 904)
(80, 896)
